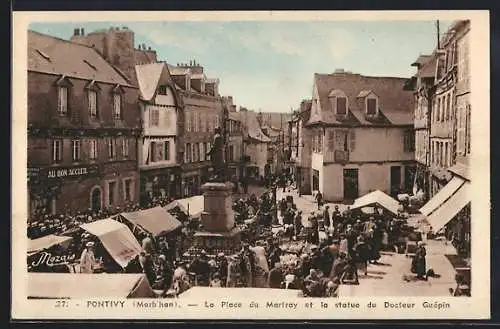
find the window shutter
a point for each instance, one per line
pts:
(461, 131)
(352, 144)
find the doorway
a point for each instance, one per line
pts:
(395, 180)
(315, 180)
(95, 199)
(350, 184)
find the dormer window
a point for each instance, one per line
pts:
(63, 92)
(370, 100)
(117, 102)
(338, 100)
(92, 92)
(371, 106)
(163, 90)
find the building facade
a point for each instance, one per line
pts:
(449, 131)
(304, 148)
(362, 136)
(257, 154)
(162, 116)
(83, 127)
(202, 114)
(235, 147)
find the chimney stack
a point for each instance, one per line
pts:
(76, 32)
(82, 31)
(149, 48)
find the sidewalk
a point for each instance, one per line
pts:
(387, 279)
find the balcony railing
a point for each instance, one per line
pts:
(341, 156)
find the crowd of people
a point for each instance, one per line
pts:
(313, 254)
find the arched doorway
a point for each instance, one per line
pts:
(96, 198)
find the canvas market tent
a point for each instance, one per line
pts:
(116, 237)
(193, 205)
(378, 198)
(37, 245)
(64, 285)
(156, 221)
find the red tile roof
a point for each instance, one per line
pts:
(396, 105)
(47, 54)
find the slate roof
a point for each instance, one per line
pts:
(395, 104)
(148, 76)
(47, 54)
(252, 127)
(422, 59)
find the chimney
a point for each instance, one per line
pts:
(149, 48)
(76, 32)
(139, 47)
(82, 31)
(339, 71)
(125, 28)
(190, 62)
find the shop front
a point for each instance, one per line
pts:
(160, 183)
(69, 189)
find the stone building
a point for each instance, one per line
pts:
(362, 135)
(202, 106)
(160, 153)
(83, 126)
(449, 136)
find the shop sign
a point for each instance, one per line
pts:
(63, 172)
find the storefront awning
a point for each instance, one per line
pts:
(450, 208)
(453, 185)
(377, 198)
(156, 220)
(64, 285)
(116, 237)
(37, 245)
(192, 206)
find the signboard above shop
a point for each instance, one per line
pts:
(66, 172)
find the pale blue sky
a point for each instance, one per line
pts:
(270, 65)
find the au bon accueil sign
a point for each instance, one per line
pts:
(63, 172)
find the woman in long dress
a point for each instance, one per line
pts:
(419, 264)
(87, 259)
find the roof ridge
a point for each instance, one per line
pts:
(61, 39)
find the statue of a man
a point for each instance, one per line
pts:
(216, 154)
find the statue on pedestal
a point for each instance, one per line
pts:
(216, 154)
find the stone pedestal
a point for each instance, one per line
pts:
(219, 232)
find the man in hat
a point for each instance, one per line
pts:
(201, 268)
(275, 276)
(326, 216)
(233, 272)
(222, 265)
(87, 260)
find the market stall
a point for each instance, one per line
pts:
(377, 198)
(192, 206)
(116, 238)
(156, 221)
(46, 242)
(66, 286)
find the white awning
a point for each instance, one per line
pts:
(193, 206)
(37, 245)
(442, 215)
(453, 185)
(116, 237)
(377, 198)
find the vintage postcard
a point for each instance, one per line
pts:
(251, 165)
